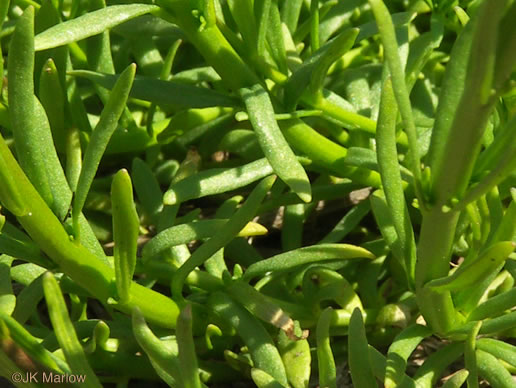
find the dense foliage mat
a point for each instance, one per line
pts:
(270, 193)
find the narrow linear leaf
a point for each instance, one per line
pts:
(348, 223)
(313, 254)
(31, 345)
(274, 146)
(370, 29)
(4, 9)
(313, 70)
(325, 360)
(33, 139)
(147, 189)
(223, 236)
(505, 48)
(17, 244)
(125, 232)
(499, 349)
(89, 24)
(314, 30)
(65, 331)
(261, 307)
(7, 298)
(470, 359)
(378, 362)
(491, 369)
(471, 273)
(164, 92)
(163, 355)
(494, 306)
(264, 380)
(498, 324)
(359, 361)
(379, 365)
(187, 356)
(293, 223)
(194, 231)
(297, 359)
(399, 352)
(245, 20)
(451, 91)
(52, 100)
(391, 178)
(263, 15)
(428, 374)
(263, 352)
(457, 379)
(388, 36)
(489, 327)
(503, 165)
(290, 14)
(73, 157)
(100, 139)
(10, 195)
(275, 38)
(216, 181)
(507, 229)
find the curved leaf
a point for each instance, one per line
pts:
(89, 24)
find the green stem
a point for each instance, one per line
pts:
(353, 121)
(325, 153)
(73, 259)
(434, 248)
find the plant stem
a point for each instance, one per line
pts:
(73, 259)
(435, 243)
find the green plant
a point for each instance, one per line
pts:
(236, 109)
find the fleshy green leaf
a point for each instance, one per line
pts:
(125, 232)
(490, 368)
(359, 361)
(457, 379)
(89, 24)
(7, 298)
(470, 273)
(216, 181)
(33, 139)
(187, 355)
(313, 70)
(264, 380)
(223, 236)
(399, 352)
(296, 357)
(163, 354)
(391, 179)
(100, 138)
(65, 331)
(313, 254)
(185, 233)
(499, 349)
(263, 352)
(325, 360)
(164, 92)
(274, 146)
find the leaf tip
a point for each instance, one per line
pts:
(170, 198)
